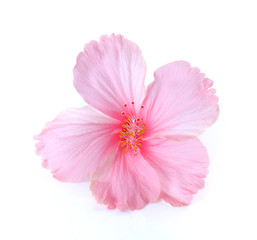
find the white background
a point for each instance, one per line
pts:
(39, 43)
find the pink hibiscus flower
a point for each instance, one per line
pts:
(137, 146)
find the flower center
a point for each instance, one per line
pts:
(132, 133)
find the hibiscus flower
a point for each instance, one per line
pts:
(137, 146)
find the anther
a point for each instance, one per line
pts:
(132, 102)
(142, 106)
(122, 113)
(125, 105)
(131, 134)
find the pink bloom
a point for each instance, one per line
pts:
(136, 146)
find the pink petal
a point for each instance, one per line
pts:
(77, 142)
(181, 166)
(180, 101)
(126, 182)
(110, 74)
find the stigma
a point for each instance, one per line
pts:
(132, 132)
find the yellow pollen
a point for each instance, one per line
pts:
(131, 134)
